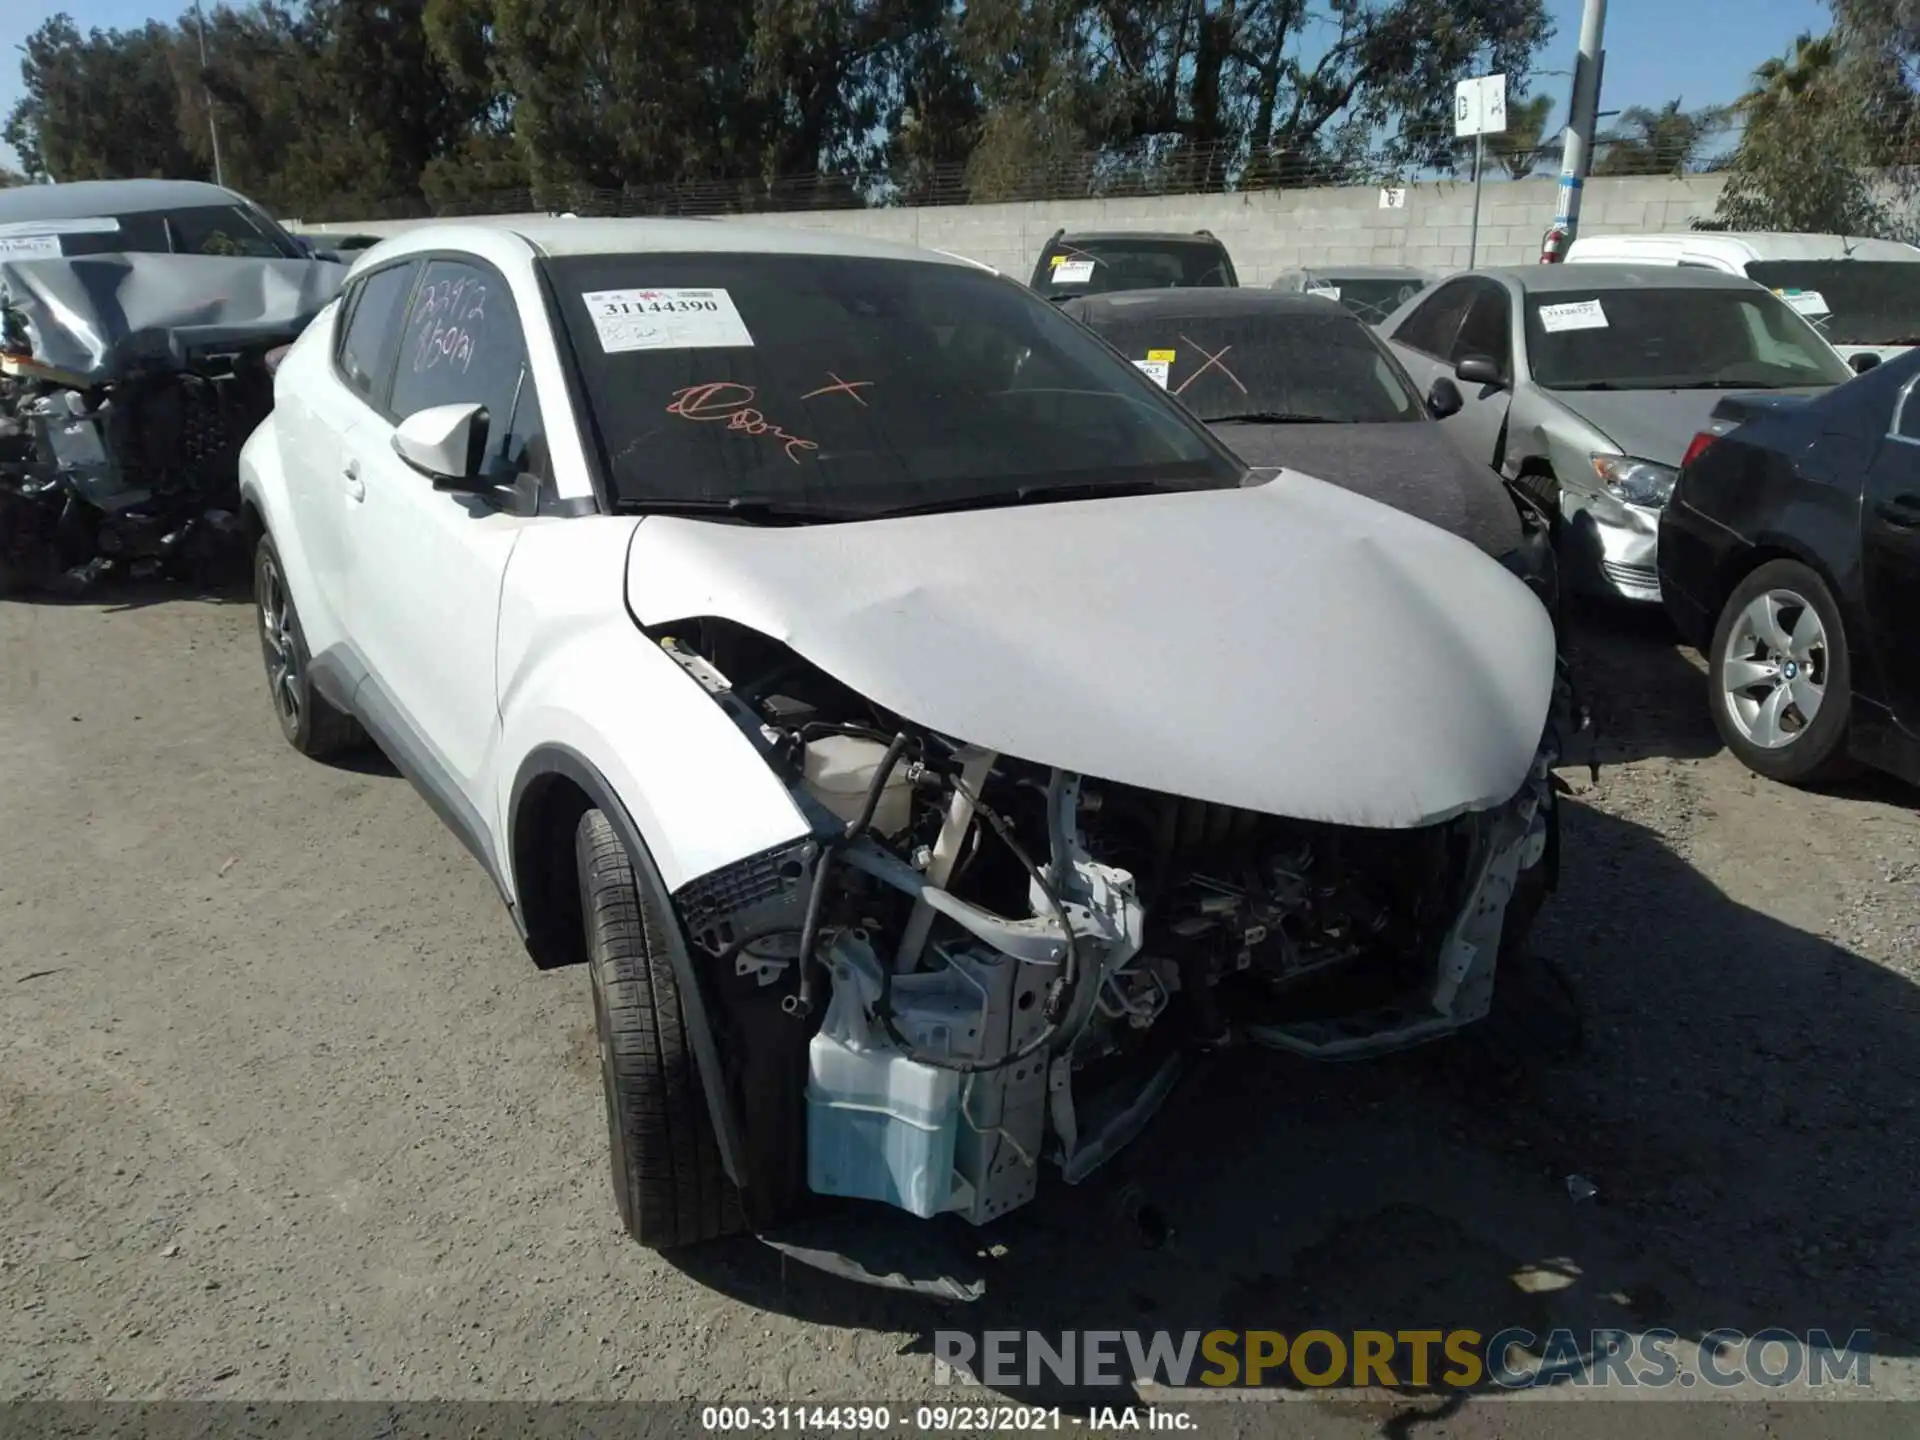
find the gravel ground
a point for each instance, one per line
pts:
(286, 1114)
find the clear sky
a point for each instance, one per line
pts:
(1698, 50)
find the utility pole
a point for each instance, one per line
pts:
(1582, 121)
(206, 95)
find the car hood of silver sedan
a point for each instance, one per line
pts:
(1289, 648)
(1655, 425)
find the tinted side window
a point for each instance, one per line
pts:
(1431, 327)
(1488, 327)
(463, 345)
(374, 312)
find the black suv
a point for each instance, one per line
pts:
(1094, 262)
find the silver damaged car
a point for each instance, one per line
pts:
(1586, 385)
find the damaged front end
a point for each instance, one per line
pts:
(127, 385)
(975, 966)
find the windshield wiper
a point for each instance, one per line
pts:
(1033, 495)
(1273, 417)
(1590, 385)
(1726, 385)
(753, 511)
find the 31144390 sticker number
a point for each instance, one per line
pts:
(677, 319)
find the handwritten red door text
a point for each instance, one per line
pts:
(733, 403)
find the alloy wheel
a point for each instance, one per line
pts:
(277, 642)
(1774, 677)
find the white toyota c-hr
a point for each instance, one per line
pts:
(927, 733)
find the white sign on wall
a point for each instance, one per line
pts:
(1393, 197)
(1480, 106)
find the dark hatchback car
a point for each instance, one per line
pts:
(1790, 554)
(1094, 263)
(1299, 381)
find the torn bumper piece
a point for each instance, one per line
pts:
(127, 385)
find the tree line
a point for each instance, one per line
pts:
(371, 107)
(379, 108)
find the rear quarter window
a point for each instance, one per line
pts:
(372, 316)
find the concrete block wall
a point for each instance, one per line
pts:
(1274, 230)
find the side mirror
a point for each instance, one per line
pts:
(1479, 370)
(1866, 360)
(1444, 399)
(447, 444)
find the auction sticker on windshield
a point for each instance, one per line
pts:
(29, 247)
(1577, 315)
(1156, 370)
(1072, 272)
(665, 320)
(1805, 302)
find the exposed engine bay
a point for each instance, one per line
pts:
(128, 384)
(975, 964)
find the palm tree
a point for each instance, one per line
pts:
(1521, 147)
(1524, 144)
(1784, 79)
(1666, 141)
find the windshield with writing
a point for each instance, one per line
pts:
(1276, 365)
(1851, 302)
(1094, 267)
(844, 386)
(1668, 337)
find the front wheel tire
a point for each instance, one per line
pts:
(312, 726)
(1779, 677)
(667, 1177)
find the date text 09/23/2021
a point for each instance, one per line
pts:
(936, 1419)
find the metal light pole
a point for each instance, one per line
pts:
(1582, 121)
(206, 95)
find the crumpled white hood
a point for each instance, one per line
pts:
(1291, 648)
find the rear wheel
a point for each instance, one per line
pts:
(311, 725)
(1779, 677)
(667, 1177)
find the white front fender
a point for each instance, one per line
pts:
(576, 672)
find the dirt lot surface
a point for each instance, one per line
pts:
(285, 1113)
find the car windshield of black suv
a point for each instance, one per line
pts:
(1281, 366)
(1094, 267)
(815, 387)
(188, 230)
(1666, 337)
(1851, 302)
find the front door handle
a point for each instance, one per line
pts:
(356, 487)
(1902, 512)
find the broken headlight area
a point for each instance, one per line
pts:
(976, 967)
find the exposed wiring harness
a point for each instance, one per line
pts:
(800, 1003)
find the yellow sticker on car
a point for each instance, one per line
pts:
(1166, 355)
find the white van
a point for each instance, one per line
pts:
(1863, 295)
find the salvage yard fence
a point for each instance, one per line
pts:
(1153, 167)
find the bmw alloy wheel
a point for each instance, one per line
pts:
(1774, 678)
